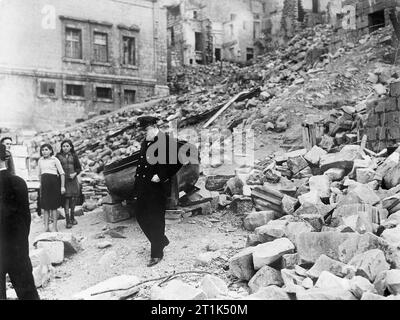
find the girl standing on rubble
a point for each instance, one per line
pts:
(52, 185)
(72, 167)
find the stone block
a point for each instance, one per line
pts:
(289, 204)
(324, 263)
(321, 185)
(395, 89)
(42, 275)
(314, 155)
(392, 236)
(253, 240)
(372, 296)
(217, 182)
(365, 175)
(254, 220)
(393, 281)
(291, 280)
(265, 277)
(71, 244)
(297, 164)
(103, 244)
(315, 220)
(54, 250)
(214, 287)
(325, 294)
(39, 257)
(392, 203)
(119, 284)
(293, 229)
(360, 285)
(267, 253)
(290, 260)
(392, 178)
(342, 160)
(368, 241)
(365, 194)
(369, 264)
(311, 245)
(269, 293)
(241, 265)
(272, 230)
(114, 213)
(327, 280)
(177, 290)
(311, 197)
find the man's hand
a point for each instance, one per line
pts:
(155, 179)
(62, 190)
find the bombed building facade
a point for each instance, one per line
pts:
(65, 60)
(206, 31)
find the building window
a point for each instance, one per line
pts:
(315, 6)
(100, 47)
(198, 45)
(104, 93)
(195, 15)
(264, 7)
(129, 51)
(129, 97)
(171, 37)
(249, 54)
(73, 43)
(75, 90)
(256, 30)
(231, 29)
(233, 16)
(217, 54)
(48, 88)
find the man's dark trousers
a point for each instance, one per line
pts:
(150, 214)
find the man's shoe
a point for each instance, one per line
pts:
(166, 242)
(153, 261)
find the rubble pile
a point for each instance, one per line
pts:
(325, 227)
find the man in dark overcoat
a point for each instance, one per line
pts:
(15, 220)
(155, 169)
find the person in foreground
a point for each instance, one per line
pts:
(15, 220)
(153, 176)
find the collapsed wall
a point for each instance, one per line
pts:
(383, 123)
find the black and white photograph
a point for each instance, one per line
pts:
(198, 155)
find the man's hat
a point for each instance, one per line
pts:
(145, 121)
(3, 152)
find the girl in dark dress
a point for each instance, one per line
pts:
(51, 188)
(72, 167)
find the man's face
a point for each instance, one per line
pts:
(151, 132)
(8, 144)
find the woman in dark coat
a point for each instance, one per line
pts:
(72, 167)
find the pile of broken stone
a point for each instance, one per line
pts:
(49, 249)
(331, 231)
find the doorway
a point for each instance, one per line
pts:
(376, 20)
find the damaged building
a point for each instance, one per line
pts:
(66, 60)
(206, 31)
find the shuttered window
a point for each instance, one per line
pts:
(100, 47)
(73, 43)
(129, 51)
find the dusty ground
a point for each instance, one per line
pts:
(129, 256)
